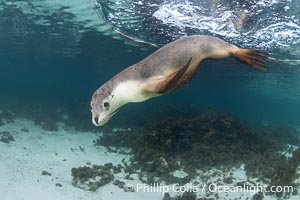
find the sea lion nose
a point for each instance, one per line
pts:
(96, 120)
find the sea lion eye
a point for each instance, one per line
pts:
(106, 104)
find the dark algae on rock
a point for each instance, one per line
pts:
(286, 172)
(91, 178)
(209, 140)
(6, 137)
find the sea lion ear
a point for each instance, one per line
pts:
(163, 84)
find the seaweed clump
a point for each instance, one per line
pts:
(91, 178)
(285, 174)
(210, 140)
(6, 137)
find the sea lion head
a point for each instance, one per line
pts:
(103, 106)
(115, 93)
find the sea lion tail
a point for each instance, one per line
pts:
(254, 58)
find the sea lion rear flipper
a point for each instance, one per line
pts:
(255, 59)
(166, 83)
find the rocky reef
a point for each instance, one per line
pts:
(211, 140)
(174, 149)
(285, 173)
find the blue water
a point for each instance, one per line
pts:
(56, 54)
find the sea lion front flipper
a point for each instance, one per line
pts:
(166, 83)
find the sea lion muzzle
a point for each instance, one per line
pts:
(96, 121)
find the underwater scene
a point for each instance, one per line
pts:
(74, 126)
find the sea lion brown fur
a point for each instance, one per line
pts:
(165, 70)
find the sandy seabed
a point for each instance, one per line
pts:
(23, 161)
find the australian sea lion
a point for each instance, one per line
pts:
(165, 70)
